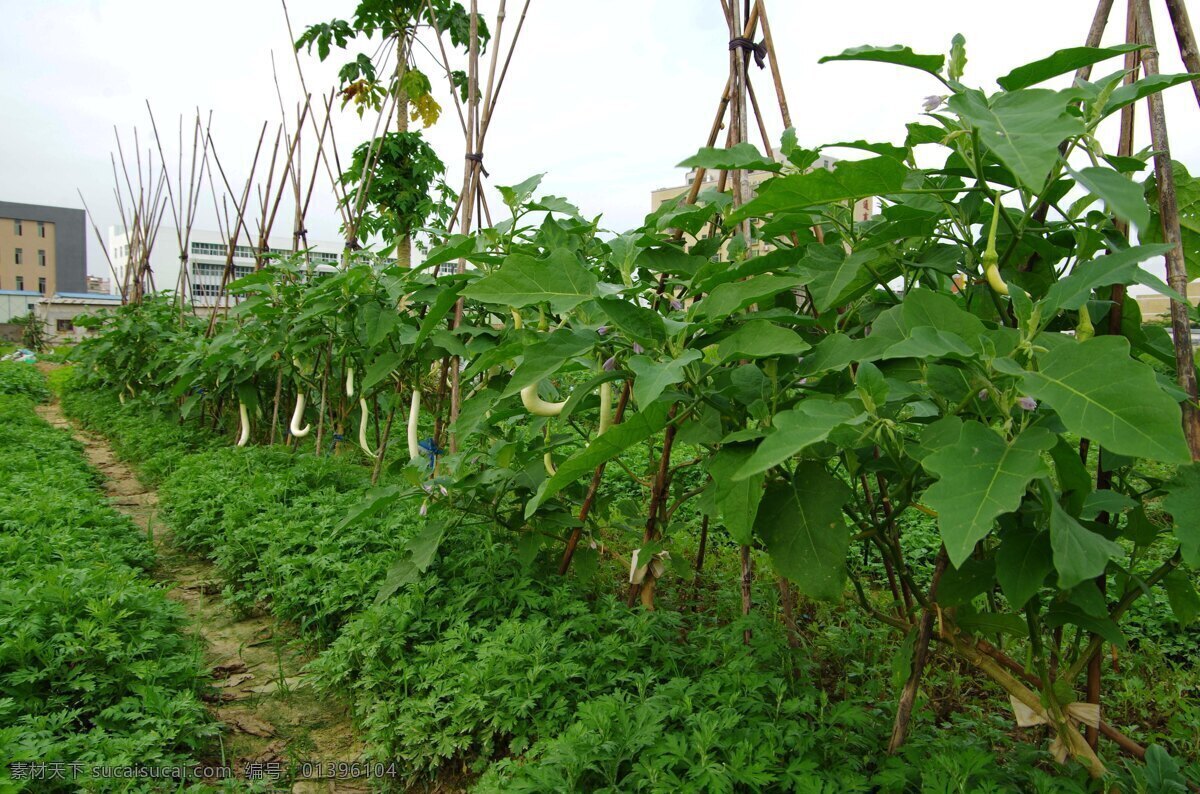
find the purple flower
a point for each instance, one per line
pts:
(1027, 403)
(424, 507)
(602, 330)
(932, 103)
(676, 305)
(610, 364)
(983, 394)
(638, 348)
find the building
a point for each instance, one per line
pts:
(207, 251)
(96, 284)
(17, 303)
(42, 249)
(863, 210)
(58, 312)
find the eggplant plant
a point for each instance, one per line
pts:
(969, 355)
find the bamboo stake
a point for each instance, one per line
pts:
(1185, 365)
(1186, 38)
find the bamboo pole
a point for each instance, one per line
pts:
(1186, 38)
(1185, 365)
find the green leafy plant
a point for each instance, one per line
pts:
(23, 379)
(94, 665)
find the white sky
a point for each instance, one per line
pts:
(603, 96)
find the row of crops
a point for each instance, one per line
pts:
(97, 667)
(618, 511)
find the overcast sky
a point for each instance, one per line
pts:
(605, 97)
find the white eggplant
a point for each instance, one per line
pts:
(605, 407)
(362, 428)
(349, 382)
(536, 405)
(297, 418)
(245, 420)
(414, 418)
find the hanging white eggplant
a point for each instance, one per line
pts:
(362, 428)
(414, 418)
(350, 382)
(244, 417)
(298, 417)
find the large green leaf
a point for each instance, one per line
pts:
(1022, 563)
(761, 339)
(802, 526)
(416, 555)
(834, 276)
(808, 423)
(1022, 128)
(1060, 62)
(437, 312)
(1079, 553)
(737, 157)
(653, 377)
(643, 324)
(895, 54)
(378, 322)
(1182, 596)
(849, 180)
(1183, 503)
(544, 358)
(1122, 196)
(1101, 393)
(1121, 267)
(1128, 94)
(737, 500)
(725, 299)
(604, 447)
(383, 366)
(981, 477)
(524, 281)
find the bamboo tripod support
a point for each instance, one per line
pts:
(737, 102)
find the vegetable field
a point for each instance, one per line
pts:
(757, 496)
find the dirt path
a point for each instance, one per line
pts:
(271, 716)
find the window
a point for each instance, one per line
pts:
(17, 228)
(41, 229)
(20, 284)
(17, 256)
(64, 325)
(42, 285)
(41, 257)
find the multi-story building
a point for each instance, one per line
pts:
(207, 251)
(97, 285)
(42, 249)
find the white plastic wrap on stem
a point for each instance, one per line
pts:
(414, 418)
(362, 428)
(297, 418)
(245, 420)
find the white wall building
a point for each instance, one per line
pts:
(206, 260)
